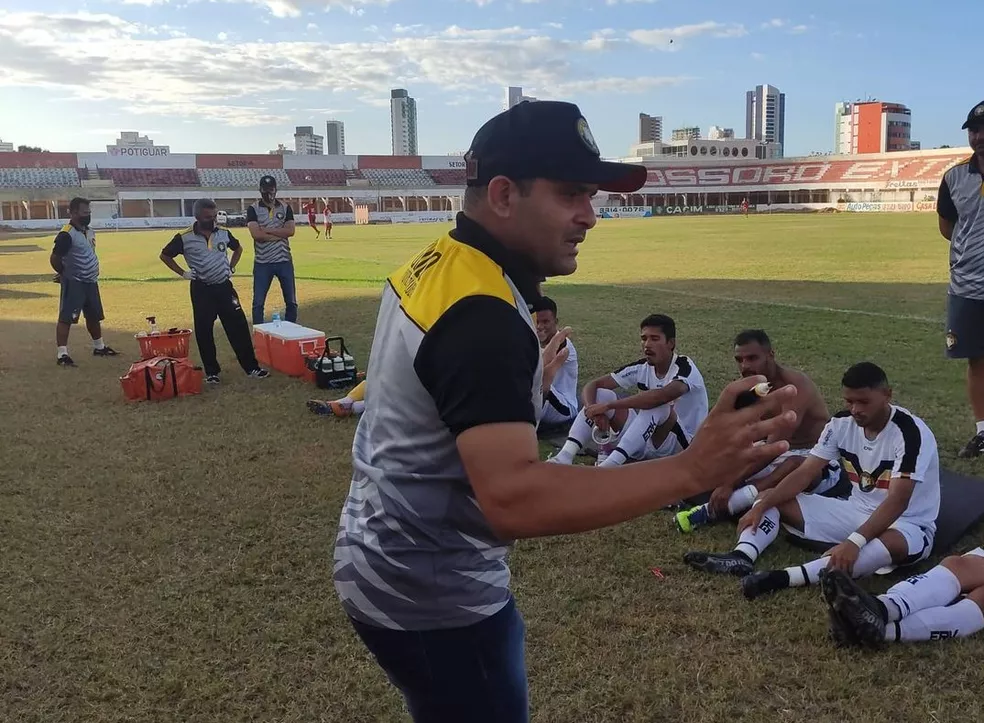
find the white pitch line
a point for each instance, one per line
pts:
(806, 307)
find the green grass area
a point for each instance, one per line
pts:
(173, 561)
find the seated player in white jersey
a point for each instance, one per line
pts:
(946, 602)
(560, 404)
(755, 355)
(659, 420)
(892, 460)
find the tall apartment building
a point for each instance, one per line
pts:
(307, 142)
(650, 128)
(765, 115)
(403, 122)
(334, 138)
(872, 127)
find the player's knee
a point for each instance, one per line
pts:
(953, 563)
(604, 396)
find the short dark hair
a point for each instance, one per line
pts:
(661, 322)
(200, 205)
(74, 204)
(545, 303)
(865, 375)
(756, 336)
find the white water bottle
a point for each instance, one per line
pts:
(276, 318)
(338, 365)
(349, 362)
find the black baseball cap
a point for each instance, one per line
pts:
(268, 182)
(975, 118)
(545, 139)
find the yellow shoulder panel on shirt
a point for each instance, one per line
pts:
(442, 274)
(67, 228)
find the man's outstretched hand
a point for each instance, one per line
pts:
(724, 450)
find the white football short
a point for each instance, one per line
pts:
(829, 519)
(828, 479)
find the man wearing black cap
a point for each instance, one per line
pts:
(960, 205)
(446, 466)
(271, 224)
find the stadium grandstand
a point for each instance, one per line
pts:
(159, 190)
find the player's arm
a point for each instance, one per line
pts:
(287, 230)
(260, 235)
(652, 398)
(589, 394)
(175, 247)
(484, 399)
(946, 210)
(63, 243)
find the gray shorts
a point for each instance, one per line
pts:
(964, 327)
(79, 297)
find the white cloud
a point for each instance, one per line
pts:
(660, 38)
(758, 56)
(116, 61)
(312, 26)
(555, 26)
(627, 2)
(799, 29)
(774, 23)
(222, 36)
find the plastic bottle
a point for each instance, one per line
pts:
(153, 325)
(326, 364)
(276, 318)
(338, 365)
(349, 362)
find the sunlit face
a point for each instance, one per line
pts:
(546, 326)
(975, 138)
(552, 220)
(657, 349)
(753, 359)
(206, 218)
(867, 405)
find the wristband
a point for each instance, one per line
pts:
(858, 539)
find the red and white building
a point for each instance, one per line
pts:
(872, 127)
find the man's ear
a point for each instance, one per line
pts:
(502, 195)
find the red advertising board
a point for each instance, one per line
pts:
(39, 160)
(226, 160)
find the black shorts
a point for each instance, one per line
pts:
(79, 297)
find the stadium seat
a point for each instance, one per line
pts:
(323, 177)
(150, 177)
(241, 177)
(398, 177)
(448, 176)
(38, 177)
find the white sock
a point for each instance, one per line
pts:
(358, 407)
(753, 541)
(615, 458)
(62, 351)
(980, 427)
(345, 401)
(98, 343)
(874, 556)
(568, 452)
(936, 588)
(742, 499)
(959, 620)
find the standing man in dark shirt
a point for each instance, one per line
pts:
(205, 247)
(960, 206)
(271, 224)
(77, 267)
(446, 468)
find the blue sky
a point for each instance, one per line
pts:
(236, 76)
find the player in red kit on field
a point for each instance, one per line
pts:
(312, 209)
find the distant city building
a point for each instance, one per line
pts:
(514, 96)
(697, 148)
(281, 150)
(6, 147)
(717, 133)
(685, 134)
(403, 122)
(872, 127)
(131, 143)
(765, 115)
(334, 138)
(307, 142)
(650, 128)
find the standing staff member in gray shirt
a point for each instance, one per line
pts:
(74, 260)
(204, 247)
(271, 224)
(960, 205)
(446, 467)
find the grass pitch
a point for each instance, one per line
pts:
(172, 562)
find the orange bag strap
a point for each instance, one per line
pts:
(167, 364)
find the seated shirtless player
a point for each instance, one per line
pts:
(755, 356)
(892, 460)
(659, 420)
